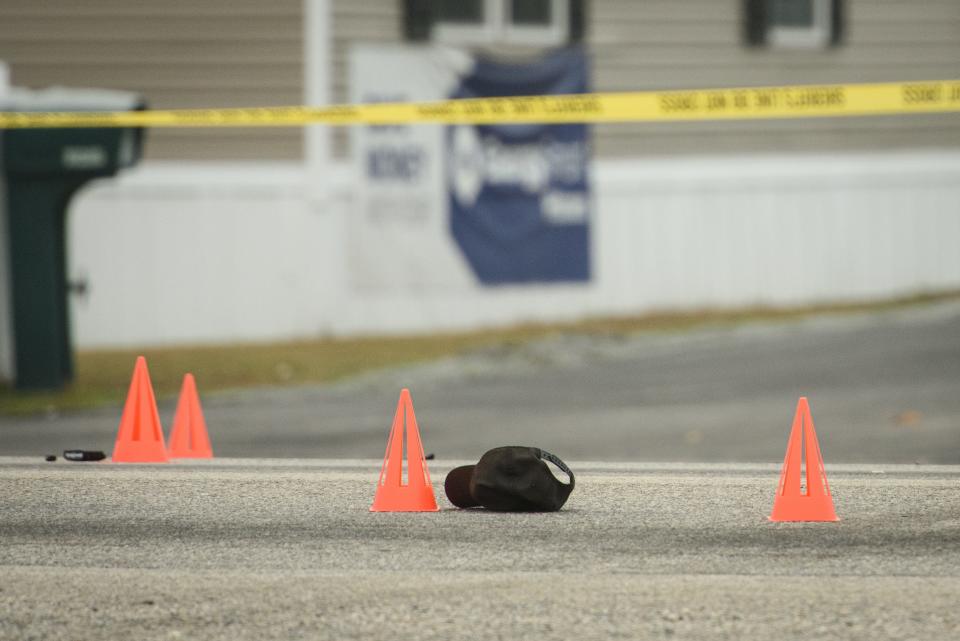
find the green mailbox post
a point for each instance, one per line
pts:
(42, 170)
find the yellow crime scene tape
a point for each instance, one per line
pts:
(802, 101)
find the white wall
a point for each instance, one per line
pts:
(187, 254)
(192, 253)
(778, 230)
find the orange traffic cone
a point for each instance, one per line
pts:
(416, 495)
(140, 439)
(188, 437)
(791, 503)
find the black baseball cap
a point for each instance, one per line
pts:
(510, 479)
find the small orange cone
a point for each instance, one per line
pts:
(791, 503)
(140, 438)
(188, 438)
(392, 494)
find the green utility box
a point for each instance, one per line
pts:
(41, 170)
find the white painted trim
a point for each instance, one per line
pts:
(317, 65)
(4, 77)
(484, 32)
(7, 356)
(497, 28)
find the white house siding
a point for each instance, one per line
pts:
(177, 53)
(355, 21)
(664, 44)
(202, 53)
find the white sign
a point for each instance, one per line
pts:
(398, 233)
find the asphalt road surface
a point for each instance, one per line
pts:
(286, 549)
(883, 387)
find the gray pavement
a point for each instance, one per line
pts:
(281, 549)
(883, 387)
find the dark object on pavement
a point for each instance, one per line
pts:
(430, 456)
(510, 479)
(84, 455)
(50, 458)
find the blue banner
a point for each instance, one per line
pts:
(519, 194)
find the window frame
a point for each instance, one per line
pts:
(555, 33)
(498, 28)
(816, 36)
(829, 32)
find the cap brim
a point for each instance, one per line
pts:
(457, 486)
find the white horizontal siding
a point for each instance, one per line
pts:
(177, 53)
(200, 53)
(665, 44)
(660, 44)
(368, 21)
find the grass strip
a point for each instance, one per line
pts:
(102, 376)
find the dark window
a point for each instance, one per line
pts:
(808, 24)
(460, 11)
(791, 13)
(536, 22)
(530, 12)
